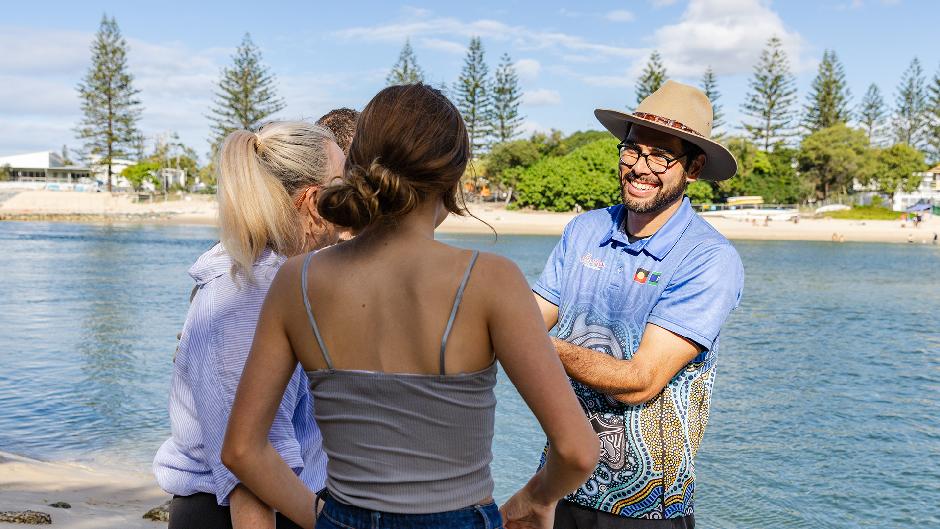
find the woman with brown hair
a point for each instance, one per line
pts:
(269, 182)
(402, 364)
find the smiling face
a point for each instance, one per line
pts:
(644, 191)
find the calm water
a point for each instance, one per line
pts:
(826, 411)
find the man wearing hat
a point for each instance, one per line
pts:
(637, 294)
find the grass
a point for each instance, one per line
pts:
(865, 213)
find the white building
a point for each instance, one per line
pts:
(44, 167)
(172, 177)
(117, 165)
(928, 192)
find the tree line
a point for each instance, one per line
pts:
(246, 95)
(787, 152)
(489, 105)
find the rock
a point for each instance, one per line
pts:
(26, 517)
(61, 505)
(160, 513)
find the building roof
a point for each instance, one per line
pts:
(935, 170)
(33, 160)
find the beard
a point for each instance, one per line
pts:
(664, 197)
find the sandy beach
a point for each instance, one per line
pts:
(100, 496)
(202, 209)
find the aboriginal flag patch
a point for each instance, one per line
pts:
(641, 275)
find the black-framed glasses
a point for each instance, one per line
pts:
(658, 163)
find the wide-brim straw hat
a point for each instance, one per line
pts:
(683, 111)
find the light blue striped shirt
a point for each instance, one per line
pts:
(212, 352)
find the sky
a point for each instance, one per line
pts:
(571, 57)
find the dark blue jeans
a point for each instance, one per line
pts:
(336, 515)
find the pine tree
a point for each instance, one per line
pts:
(66, 159)
(933, 114)
(406, 70)
(773, 92)
(110, 106)
(910, 115)
(710, 87)
(654, 75)
(246, 94)
(472, 92)
(871, 113)
(506, 120)
(828, 100)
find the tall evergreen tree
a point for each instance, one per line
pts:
(406, 70)
(828, 101)
(110, 106)
(654, 75)
(710, 87)
(871, 113)
(770, 101)
(474, 100)
(66, 158)
(246, 93)
(506, 120)
(933, 114)
(910, 114)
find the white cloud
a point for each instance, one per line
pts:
(39, 101)
(620, 15)
(728, 35)
(541, 97)
(38, 86)
(528, 69)
(447, 46)
(610, 81)
(52, 53)
(521, 37)
(663, 3)
(583, 58)
(416, 12)
(530, 127)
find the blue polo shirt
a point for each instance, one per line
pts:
(685, 278)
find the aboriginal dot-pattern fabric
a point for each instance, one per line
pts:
(691, 279)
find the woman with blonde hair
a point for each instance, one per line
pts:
(269, 182)
(402, 364)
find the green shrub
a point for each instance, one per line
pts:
(585, 177)
(700, 192)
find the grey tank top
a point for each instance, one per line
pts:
(405, 443)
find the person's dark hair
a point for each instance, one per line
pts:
(342, 123)
(692, 150)
(411, 144)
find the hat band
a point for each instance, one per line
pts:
(666, 121)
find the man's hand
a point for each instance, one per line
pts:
(659, 357)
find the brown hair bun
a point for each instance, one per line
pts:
(410, 145)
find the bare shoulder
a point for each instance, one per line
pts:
(501, 275)
(288, 278)
(495, 264)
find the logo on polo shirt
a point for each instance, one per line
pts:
(644, 276)
(592, 262)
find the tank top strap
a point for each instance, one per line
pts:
(313, 322)
(453, 311)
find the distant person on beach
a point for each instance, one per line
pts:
(637, 294)
(400, 335)
(342, 123)
(269, 182)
